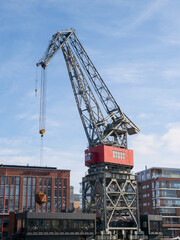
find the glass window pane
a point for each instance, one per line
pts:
(17, 180)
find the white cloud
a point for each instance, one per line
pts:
(145, 115)
(172, 39)
(8, 152)
(146, 144)
(27, 116)
(146, 14)
(156, 150)
(172, 138)
(10, 142)
(141, 17)
(172, 72)
(125, 73)
(169, 104)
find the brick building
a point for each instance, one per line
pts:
(19, 184)
(159, 194)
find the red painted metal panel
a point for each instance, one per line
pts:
(109, 154)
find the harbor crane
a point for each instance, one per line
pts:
(109, 189)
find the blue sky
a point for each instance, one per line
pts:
(134, 44)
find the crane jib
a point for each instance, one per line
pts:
(103, 120)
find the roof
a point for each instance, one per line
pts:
(50, 215)
(31, 167)
(161, 168)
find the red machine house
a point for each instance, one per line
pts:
(109, 154)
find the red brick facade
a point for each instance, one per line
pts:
(19, 184)
(159, 194)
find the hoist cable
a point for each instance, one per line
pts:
(41, 152)
(42, 116)
(36, 80)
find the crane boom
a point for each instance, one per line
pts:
(110, 129)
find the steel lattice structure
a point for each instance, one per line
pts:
(109, 190)
(110, 129)
(111, 193)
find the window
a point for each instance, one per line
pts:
(169, 193)
(25, 181)
(55, 204)
(64, 194)
(49, 195)
(17, 194)
(60, 194)
(143, 176)
(148, 176)
(2, 190)
(139, 177)
(174, 184)
(118, 155)
(153, 194)
(24, 193)
(145, 195)
(17, 180)
(1, 204)
(163, 184)
(8, 180)
(157, 193)
(29, 181)
(7, 194)
(158, 203)
(12, 193)
(144, 224)
(29, 193)
(168, 211)
(40, 184)
(16, 202)
(12, 190)
(17, 190)
(45, 192)
(155, 226)
(6, 205)
(88, 156)
(55, 195)
(7, 190)
(2, 180)
(157, 184)
(34, 181)
(2, 193)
